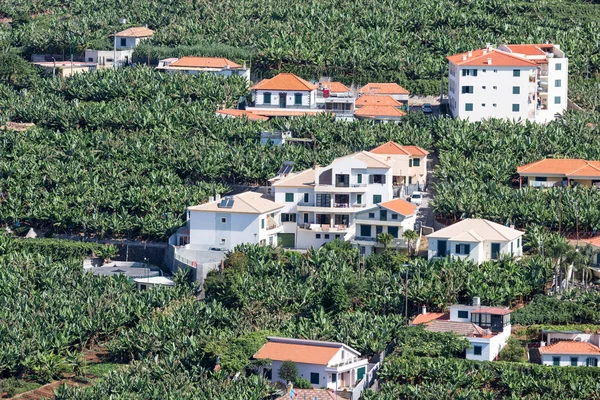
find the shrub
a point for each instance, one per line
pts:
(302, 383)
(288, 371)
(513, 351)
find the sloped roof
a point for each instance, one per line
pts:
(244, 203)
(372, 160)
(462, 328)
(477, 230)
(204, 62)
(285, 81)
(428, 317)
(562, 166)
(527, 49)
(304, 178)
(491, 310)
(394, 148)
(479, 58)
(383, 88)
(242, 113)
(379, 112)
(567, 347)
(335, 87)
(595, 241)
(300, 351)
(278, 112)
(312, 394)
(400, 206)
(374, 100)
(137, 32)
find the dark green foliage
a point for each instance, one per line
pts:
(302, 383)
(17, 72)
(571, 308)
(55, 249)
(336, 298)
(416, 342)
(513, 351)
(288, 371)
(234, 354)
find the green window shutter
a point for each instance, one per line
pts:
(556, 361)
(359, 178)
(376, 198)
(410, 163)
(574, 361)
(306, 197)
(457, 249)
(516, 72)
(360, 373)
(468, 106)
(516, 90)
(365, 230)
(416, 162)
(515, 108)
(267, 98)
(475, 72)
(298, 99)
(556, 99)
(359, 199)
(289, 197)
(558, 67)
(463, 314)
(262, 223)
(557, 83)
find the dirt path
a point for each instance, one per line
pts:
(47, 391)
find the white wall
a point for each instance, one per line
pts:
(491, 347)
(207, 229)
(130, 42)
(553, 91)
(309, 99)
(565, 359)
(304, 371)
(104, 57)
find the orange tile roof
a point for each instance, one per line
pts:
(335, 87)
(567, 347)
(383, 88)
(527, 49)
(499, 59)
(379, 112)
(425, 318)
(394, 148)
(374, 100)
(319, 394)
(204, 62)
(568, 167)
(276, 112)
(138, 32)
(300, 353)
(595, 241)
(491, 310)
(285, 81)
(242, 113)
(400, 206)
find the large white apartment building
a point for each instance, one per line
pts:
(523, 81)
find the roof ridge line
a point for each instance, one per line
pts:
(490, 224)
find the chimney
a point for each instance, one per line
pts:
(484, 52)
(476, 301)
(489, 60)
(424, 310)
(211, 199)
(218, 197)
(470, 53)
(464, 58)
(542, 344)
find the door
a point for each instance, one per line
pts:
(495, 250)
(360, 373)
(282, 100)
(442, 244)
(497, 323)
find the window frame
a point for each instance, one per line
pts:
(516, 73)
(267, 96)
(516, 107)
(557, 100)
(289, 197)
(315, 378)
(468, 106)
(376, 197)
(516, 90)
(558, 83)
(296, 97)
(477, 350)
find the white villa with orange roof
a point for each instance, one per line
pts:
(124, 43)
(523, 81)
(486, 328)
(573, 348)
(215, 65)
(551, 172)
(131, 37)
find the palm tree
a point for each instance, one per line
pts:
(385, 239)
(560, 251)
(411, 237)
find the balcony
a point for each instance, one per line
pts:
(325, 228)
(542, 184)
(373, 241)
(331, 208)
(341, 187)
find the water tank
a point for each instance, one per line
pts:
(476, 301)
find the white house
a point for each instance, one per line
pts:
(393, 90)
(131, 37)
(566, 353)
(486, 328)
(65, 68)
(336, 98)
(109, 58)
(248, 217)
(351, 199)
(195, 65)
(324, 364)
(410, 163)
(523, 81)
(551, 172)
(475, 239)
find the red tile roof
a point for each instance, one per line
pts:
(499, 59)
(462, 328)
(335, 87)
(374, 100)
(138, 32)
(400, 206)
(595, 241)
(241, 113)
(383, 88)
(300, 353)
(311, 394)
(527, 49)
(394, 148)
(567, 347)
(285, 81)
(567, 167)
(379, 112)
(276, 112)
(491, 310)
(204, 62)
(426, 318)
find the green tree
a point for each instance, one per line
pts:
(336, 298)
(411, 238)
(16, 71)
(288, 371)
(513, 351)
(385, 239)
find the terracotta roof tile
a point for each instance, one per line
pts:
(383, 88)
(567, 167)
(379, 112)
(426, 318)
(595, 241)
(400, 206)
(335, 87)
(499, 59)
(242, 113)
(285, 81)
(311, 394)
(567, 347)
(204, 62)
(491, 310)
(527, 49)
(462, 328)
(374, 100)
(300, 353)
(138, 32)
(394, 148)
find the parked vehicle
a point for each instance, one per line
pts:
(427, 109)
(417, 198)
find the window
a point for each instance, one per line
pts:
(516, 89)
(123, 42)
(270, 239)
(318, 236)
(495, 72)
(377, 178)
(363, 250)
(494, 105)
(267, 98)
(591, 362)
(494, 87)
(515, 108)
(556, 99)
(306, 218)
(463, 249)
(222, 241)
(516, 72)
(378, 230)
(333, 378)
(223, 220)
(394, 216)
(558, 67)
(327, 236)
(298, 99)
(371, 215)
(359, 178)
(482, 104)
(469, 107)
(483, 320)
(323, 200)
(574, 361)
(474, 72)
(557, 83)
(483, 87)
(314, 378)
(90, 59)
(306, 197)
(467, 89)
(410, 163)
(288, 217)
(556, 361)
(477, 350)
(337, 236)
(483, 70)
(365, 230)
(463, 314)
(465, 72)
(289, 197)
(376, 198)
(262, 223)
(416, 162)
(382, 215)
(518, 243)
(359, 199)
(393, 230)
(495, 250)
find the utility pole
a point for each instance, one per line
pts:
(114, 48)
(406, 295)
